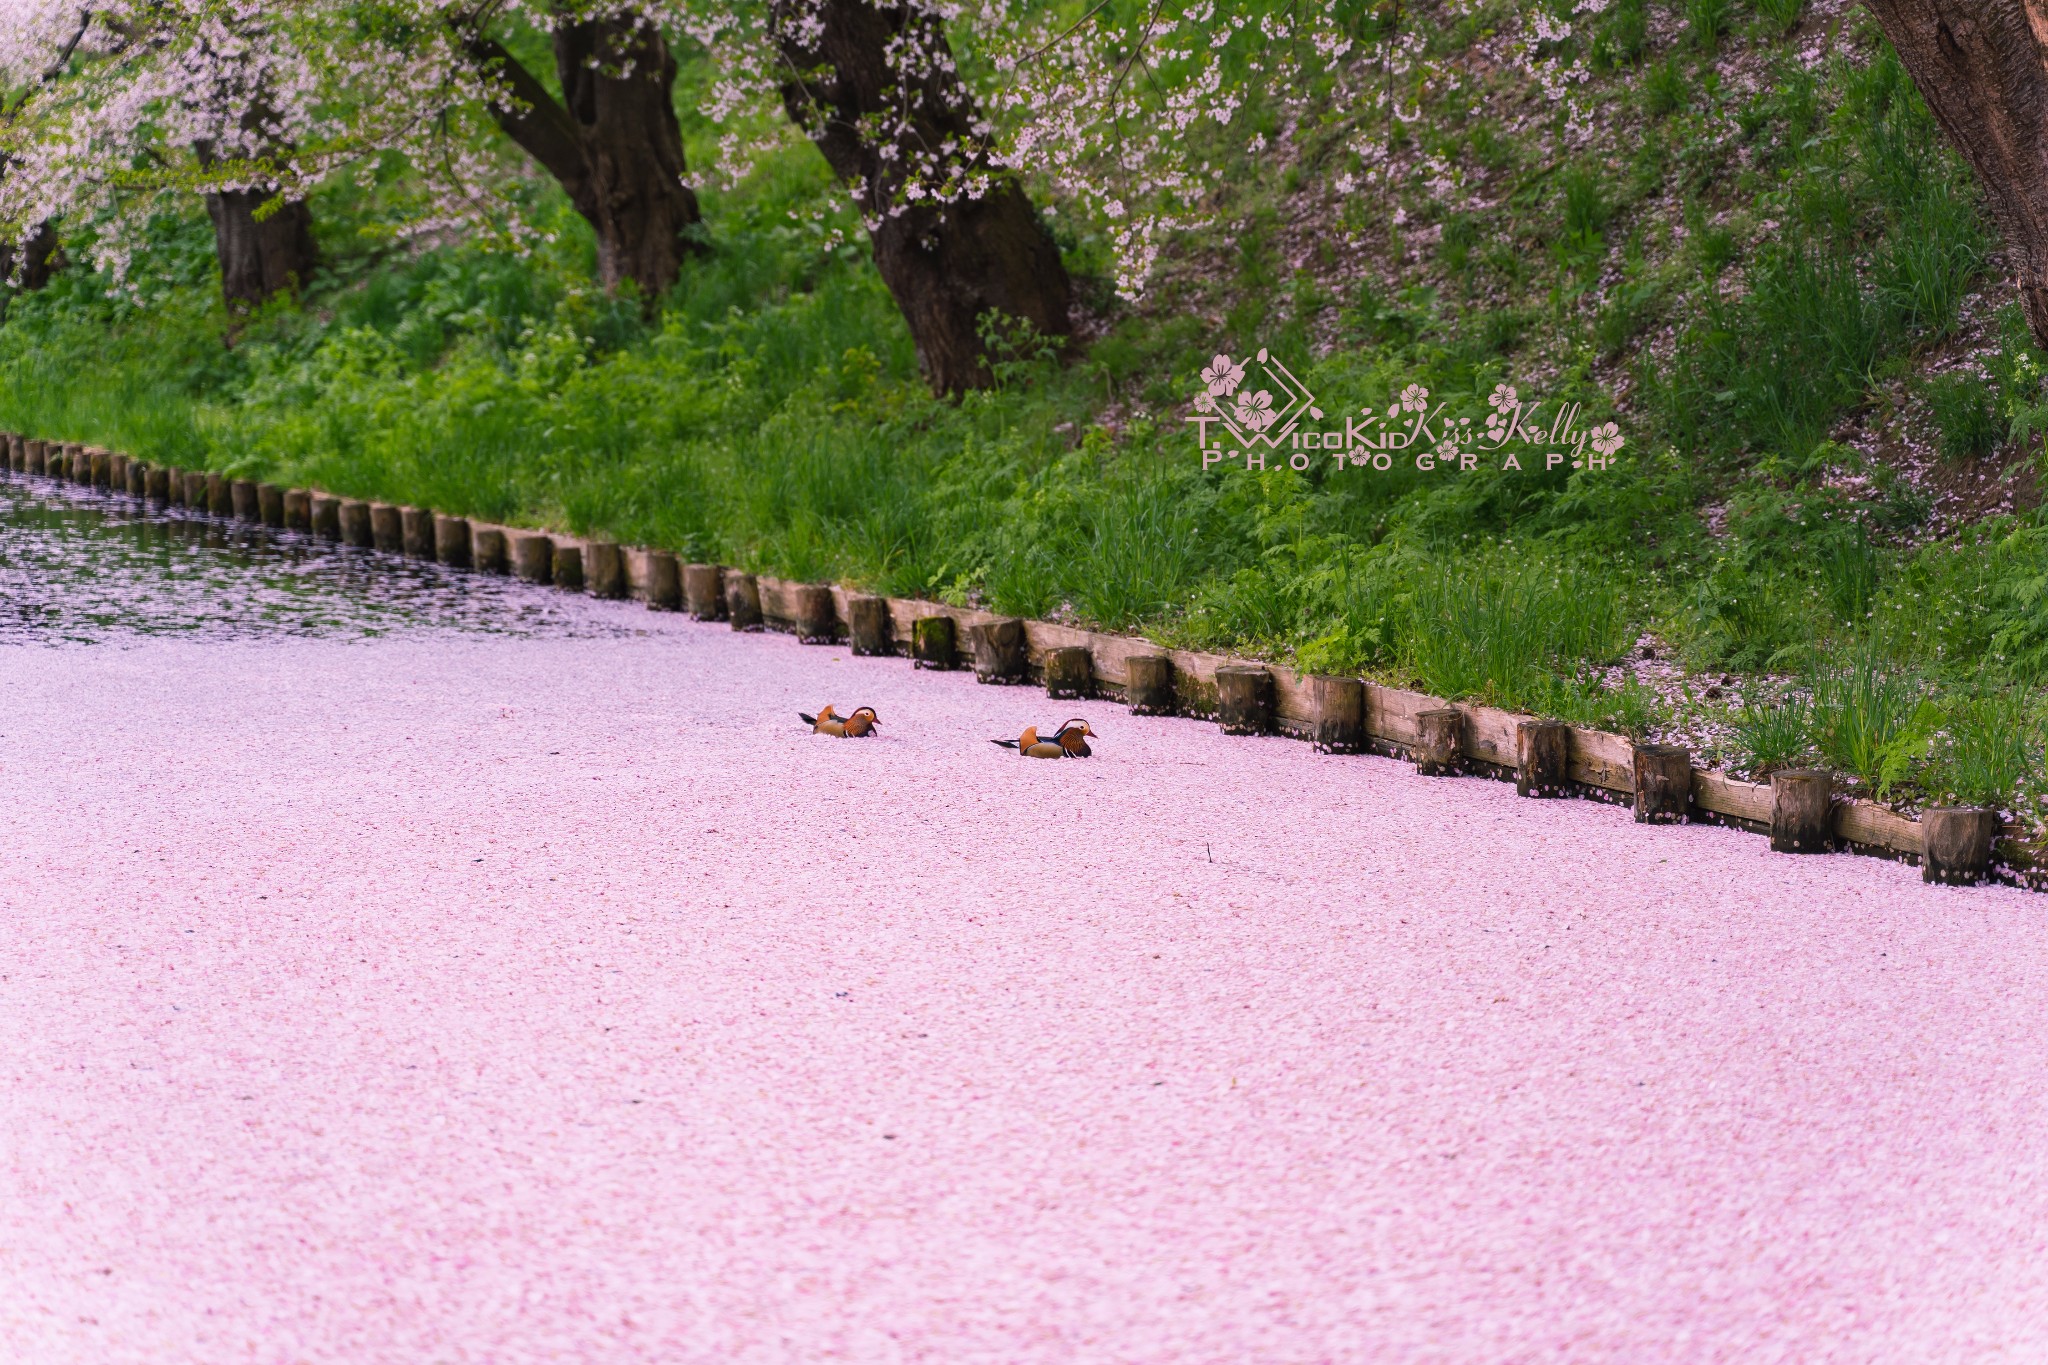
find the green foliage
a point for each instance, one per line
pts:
(1775, 734)
(1664, 87)
(1993, 744)
(1961, 404)
(1780, 15)
(1869, 719)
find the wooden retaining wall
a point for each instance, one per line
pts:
(1600, 765)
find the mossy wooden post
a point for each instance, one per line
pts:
(220, 497)
(355, 524)
(35, 453)
(1244, 699)
(1439, 742)
(417, 525)
(997, 649)
(1148, 685)
(664, 581)
(298, 509)
(1340, 714)
(605, 563)
(117, 472)
(532, 555)
(1803, 811)
(1069, 673)
(1956, 844)
(138, 479)
(487, 550)
(77, 464)
(270, 505)
(1663, 783)
(17, 454)
(932, 642)
(1542, 758)
(451, 541)
(704, 591)
(242, 496)
(100, 471)
(869, 626)
(568, 566)
(817, 620)
(387, 527)
(162, 485)
(743, 601)
(326, 515)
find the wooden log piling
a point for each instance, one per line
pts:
(487, 550)
(270, 505)
(998, 650)
(355, 524)
(1340, 714)
(220, 497)
(932, 642)
(704, 591)
(298, 509)
(1439, 749)
(1956, 844)
(1803, 811)
(326, 515)
(664, 581)
(817, 620)
(242, 497)
(532, 556)
(416, 526)
(1244, 699)
(1148, 685)
(743, 601)
(604, 563)
(1542, 758)
(869, 628)
(1663, 783)
(567, 568)
(452, 541)
(1069, 673)
(387, 528)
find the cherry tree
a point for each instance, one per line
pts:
(128, 102)
(612, 140)
(1982, 67)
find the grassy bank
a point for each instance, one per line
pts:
(1796, 323)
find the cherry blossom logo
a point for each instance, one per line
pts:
(1263, 409)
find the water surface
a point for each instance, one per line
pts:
(84, 566)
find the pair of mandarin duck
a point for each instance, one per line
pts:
(1069, 741)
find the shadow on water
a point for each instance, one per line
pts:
(79, 566)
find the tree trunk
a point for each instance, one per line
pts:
(36, 258)
(260, 256)
(1979, 66)
(874, 85)
(613, 142)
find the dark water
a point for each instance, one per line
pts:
(84, 566)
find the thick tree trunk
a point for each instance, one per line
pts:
(1979, 64)
(36, 258)
(613, 142)
(955, 237)
(260, 257)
